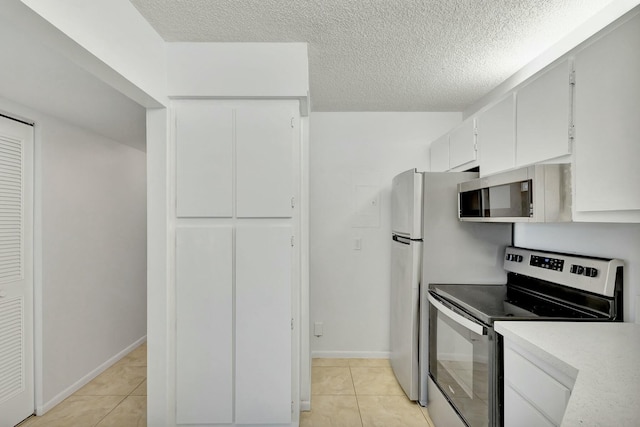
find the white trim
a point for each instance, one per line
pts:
(42, 409)
(305, 346)
(351, 354)
(38, 340)
(305, 405)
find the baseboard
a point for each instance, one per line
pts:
(351, 354)
(305, 405)
(45, 407)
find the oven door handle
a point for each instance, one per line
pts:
(461, 320)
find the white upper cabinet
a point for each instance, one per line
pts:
(204, 145)
(265, 156)
(462, 144)
(439, 154)
(543, 116)
(497, 136)
(607, 121)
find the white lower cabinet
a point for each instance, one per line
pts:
(204, 312)
(520, 412)
(263, 324)
(535, 394)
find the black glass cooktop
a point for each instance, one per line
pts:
(489, 303)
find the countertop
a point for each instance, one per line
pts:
(603, 357)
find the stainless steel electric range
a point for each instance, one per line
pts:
(465, 374)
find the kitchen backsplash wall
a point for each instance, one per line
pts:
(353, 157)
(596, 239)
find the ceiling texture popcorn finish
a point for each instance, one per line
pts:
(385, 55)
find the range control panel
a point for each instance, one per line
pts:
(581, 272)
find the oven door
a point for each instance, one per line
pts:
(460, 360)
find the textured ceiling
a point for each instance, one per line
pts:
(385, 55)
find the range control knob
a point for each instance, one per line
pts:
(514, 257)
(591, 272)
(577, 269)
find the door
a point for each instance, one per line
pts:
(263, 268)
(462, 144)
(543, 111)
(606, 119)
(204, 302)
(16, 272)
(439, 153)
(406, 257)
(459, 359)
(406, 204)
(264, 155)
(497, 137)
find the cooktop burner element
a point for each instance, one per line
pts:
(543, 286)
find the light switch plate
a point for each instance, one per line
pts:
(317, 329)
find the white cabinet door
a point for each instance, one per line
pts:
(439, 154)
(204, 318)
(264, 144)
(543, 116)
(518, 412)
(534, 384)
(462, 144)
(204, 145)
(607, 121)
(263, 319)
(497, 136)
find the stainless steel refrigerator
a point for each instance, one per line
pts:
(430, 245)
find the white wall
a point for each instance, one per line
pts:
(131, 59)
(349, 289)
(194, 69)
(90, 259)
(603, 240)
(93, 252)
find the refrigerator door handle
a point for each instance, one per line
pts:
(403, 240)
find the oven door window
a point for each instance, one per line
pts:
(459, 365)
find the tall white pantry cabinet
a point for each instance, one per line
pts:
(237, 172)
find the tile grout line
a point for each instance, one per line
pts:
(113, 409)
(355, 393)
(124, 397)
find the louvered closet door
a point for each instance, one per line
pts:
(16, 278)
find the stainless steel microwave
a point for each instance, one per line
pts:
(538, 193)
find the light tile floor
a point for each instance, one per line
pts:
(359, 393)
(115, 398)
(345, 393)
